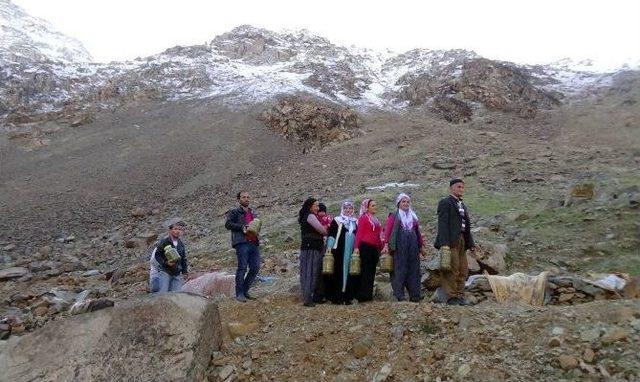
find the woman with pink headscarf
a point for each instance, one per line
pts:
(368, 244)
(404, 242)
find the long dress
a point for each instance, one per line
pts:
(340, 287)
(406, 265)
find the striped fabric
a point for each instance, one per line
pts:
(462, 214)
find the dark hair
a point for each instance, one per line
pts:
(240, 193)
(369, 202)
(322, 207)
(305, 210)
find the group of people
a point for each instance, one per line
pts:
(355, 244)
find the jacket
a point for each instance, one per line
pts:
(235, 223)
(160, 257)
(450, 224)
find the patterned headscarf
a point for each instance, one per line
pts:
(409, 216)
(364, 206)
(342, 218)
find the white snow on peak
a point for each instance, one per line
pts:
(34, 38)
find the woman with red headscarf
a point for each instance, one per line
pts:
(368, 244)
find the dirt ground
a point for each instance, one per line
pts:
(69, 193)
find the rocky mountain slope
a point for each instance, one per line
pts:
(288, 115)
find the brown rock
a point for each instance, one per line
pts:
(554, 342)
(40, 311)
(139, 212)
(615, 334)
(566, 297)
(567, 362)
(588, 355)
(12, 273)
(361, 348)
(239, 329)
(632, 288)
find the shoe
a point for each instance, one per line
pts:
(249, 297)
(458, 301)
(416, 300)
(241, 298)
(453, 301)
(309, 304)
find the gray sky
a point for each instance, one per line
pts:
(532, 31)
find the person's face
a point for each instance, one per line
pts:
(315, 207)
(348, 210)
(404, 204)
(244, 199)
(457, 189)
(373, 207)
(322, 213)
(176, 231)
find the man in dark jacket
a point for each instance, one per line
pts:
(168, 262)
(453, 239)
(246, 245)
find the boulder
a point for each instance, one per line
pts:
(166, 337)
(491, 257)
(13, 273)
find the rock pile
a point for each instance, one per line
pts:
(311, 122)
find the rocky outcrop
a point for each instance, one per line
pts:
(451, 109)
(503, 86)
(311, 122)
(168, 337)
(495, 85)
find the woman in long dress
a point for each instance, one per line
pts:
(368, 245)
(340, 286)
(311, 244)
(404, 242)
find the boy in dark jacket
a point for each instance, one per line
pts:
(168, 263)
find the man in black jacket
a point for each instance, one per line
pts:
(453, 239)
(245, 244)
(168, 262)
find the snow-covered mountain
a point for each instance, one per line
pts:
(30, 38)
(249, 65)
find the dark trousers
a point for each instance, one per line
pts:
(248, 255)
(369, 256)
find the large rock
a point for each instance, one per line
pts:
(12, 273)
(492, 257)
(168, 337)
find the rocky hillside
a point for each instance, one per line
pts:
(549, 155)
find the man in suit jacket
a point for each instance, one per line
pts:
(454, 237)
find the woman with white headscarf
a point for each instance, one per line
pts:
(340, 286)
(404, 242)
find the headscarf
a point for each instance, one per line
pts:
(347, 221)
(364, 206)
(407, 218)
